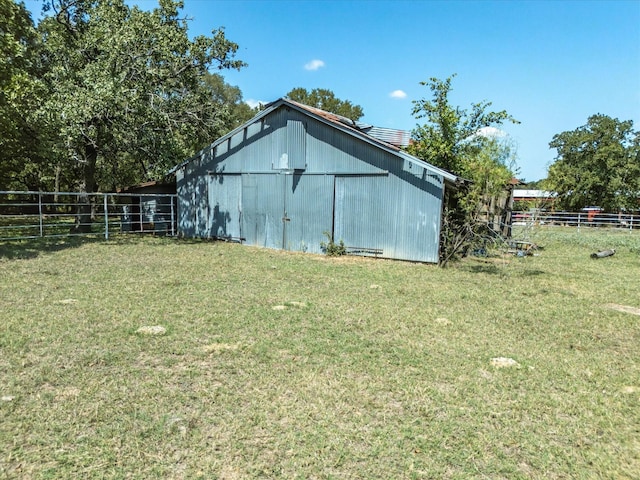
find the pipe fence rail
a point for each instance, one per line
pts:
(31, 214)
(587, 218)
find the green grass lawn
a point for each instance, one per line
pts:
(282, 365)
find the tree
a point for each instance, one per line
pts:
(327, 101)
(22, 149)
(231, 96)
(456, 140)
(597, 164)
(127, 90)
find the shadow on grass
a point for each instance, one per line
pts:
(493, 269)
(486, 269)
(533, 273)
(32, 248)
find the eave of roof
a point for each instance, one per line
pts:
(151, 183)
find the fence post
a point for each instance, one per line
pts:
(106, 218)
(40, 214)
(579, 221)
(173, 231)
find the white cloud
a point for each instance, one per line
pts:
(491, 132)
(398, 94)
(314, 65)
(254, 103)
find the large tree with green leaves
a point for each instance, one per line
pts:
(128, 89)
(597, 164)
(456, 140)
(326, 100)
(229, 96)
(23, 149)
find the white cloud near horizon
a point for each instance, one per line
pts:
(314, 65)
(398, 94)
(254, 103)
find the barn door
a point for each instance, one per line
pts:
(263, 198)
(225, 206)
(288, 211)
(359, 215)
(308, 209)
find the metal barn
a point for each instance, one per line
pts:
(294, 172)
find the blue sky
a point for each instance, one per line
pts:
(550, 64)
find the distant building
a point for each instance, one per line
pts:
(523, 199)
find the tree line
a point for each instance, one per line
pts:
(101, 94)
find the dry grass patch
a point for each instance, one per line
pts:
(221, 347)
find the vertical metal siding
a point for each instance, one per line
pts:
(389, 213)
(263, 208)
(381, 201)
(224, 206)
(363, 214)
(278, 140)
(309, 210)
(418, 221)
(296, 144)
(330, 150)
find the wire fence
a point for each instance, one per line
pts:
(30, 214)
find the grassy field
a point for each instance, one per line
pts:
(281, 365)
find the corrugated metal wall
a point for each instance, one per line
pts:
(284, 180)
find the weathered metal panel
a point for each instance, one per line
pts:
(399, 138)
(363, 218)
(419, 200)
(296, 144)
(390, 216)
(287, 210)
(192, 202)
(308, 211)
(278, 140)
(224, 206)
(263, 209)
(330, 150)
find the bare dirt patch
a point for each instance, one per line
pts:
(504, 362)
(289, 304)
(152, 330)
(623, 308)
(67, 301)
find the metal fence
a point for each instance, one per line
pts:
(29, 214)
(588, 218)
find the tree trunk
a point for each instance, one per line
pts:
(87, 186)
